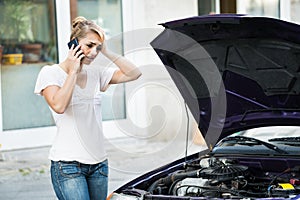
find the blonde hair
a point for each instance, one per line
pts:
(81, 26)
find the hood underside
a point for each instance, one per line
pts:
(234, 72)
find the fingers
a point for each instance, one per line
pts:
(81, 56)
(76, 51)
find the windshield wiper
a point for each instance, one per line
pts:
(256, 141)
(295, 141)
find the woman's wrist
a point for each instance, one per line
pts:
(73, 73)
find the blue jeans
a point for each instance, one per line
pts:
(74, 180)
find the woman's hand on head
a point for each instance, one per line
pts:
(73, 61)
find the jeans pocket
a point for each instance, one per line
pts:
(69, 169)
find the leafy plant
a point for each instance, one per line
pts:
(16, 21)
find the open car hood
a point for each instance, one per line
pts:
(234, 72)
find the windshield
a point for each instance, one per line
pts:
(272, 132)
(274, 140)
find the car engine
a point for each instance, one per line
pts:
(228, 179)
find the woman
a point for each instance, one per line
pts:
(72, 90)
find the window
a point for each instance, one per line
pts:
(206, 7)
(295, 7)
(28, 39)
(270, 8)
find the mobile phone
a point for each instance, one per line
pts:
(74, 41)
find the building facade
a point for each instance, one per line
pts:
(35, 33)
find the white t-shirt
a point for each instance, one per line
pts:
(79, 129)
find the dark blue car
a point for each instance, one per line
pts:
(240, 77)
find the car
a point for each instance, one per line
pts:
(239, 76)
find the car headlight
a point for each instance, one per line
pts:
(117, 196)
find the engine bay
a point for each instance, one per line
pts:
(231, 178)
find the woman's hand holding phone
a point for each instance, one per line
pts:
(75, 55)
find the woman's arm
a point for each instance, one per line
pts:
(58, 98)
(127, 70)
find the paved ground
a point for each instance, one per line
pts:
(24, 174)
